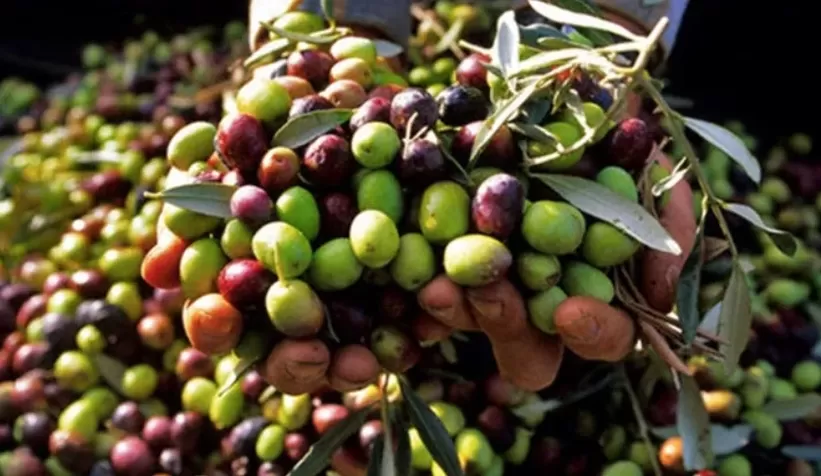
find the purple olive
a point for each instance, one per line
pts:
(131, 456)
(252, 205)
(497, 206)
(337, 211)
(328, 161)
(421, 163)
(376, 109)
(416, 104)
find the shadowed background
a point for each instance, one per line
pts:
(734, 60)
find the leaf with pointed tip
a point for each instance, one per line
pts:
(804, 452)
(403, 459)
(387, 49)
(242, 367)
(727, 142)
(782, 239)
(328, 11)
(306, 127)
(599, 201)
(735, 318)
(687, 291)
(320, 452)
(532, 35)
(111, 370)
(324, 37)
(496, 121)
(793, 409)
(693, 424)
(506, 44)
(431, 431)
(583, 20)
(211, 199)
(267, 52)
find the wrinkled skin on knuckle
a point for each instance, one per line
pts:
(595, 330)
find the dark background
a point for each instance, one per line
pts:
(753, 60)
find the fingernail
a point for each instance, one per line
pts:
(488, 309)
(444, 314)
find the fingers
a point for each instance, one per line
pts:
(594, 330)
(660, 270)
(444, 300)
(353, 367)
(297, 366)
(527, 357)
(346, 463)
(427, 329)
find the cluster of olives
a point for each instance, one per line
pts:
(16, 97)
(138, 80)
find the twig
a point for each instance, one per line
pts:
(429, 17)
(643, 429)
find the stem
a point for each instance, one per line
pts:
(645, 435)
(652, 40)
(680, 138)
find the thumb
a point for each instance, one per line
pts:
(526, 356)
(661, 270)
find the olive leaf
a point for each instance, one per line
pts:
(431, 431)
(506, 43)
(320, 452)
(805, 452)
(583, 20)
(211, 199)
(599, 38)
(498, 119)
(532, 35)
(724, 440)
(242, 367)
(111, 370)
(328, 11)
(376, 465)
(782, 239)
(710, 321)
(693, 423)
(307, 127)
(545, 60)
(735, 318)
(728, 142)
(560, 43)
(600, 202)
(322, 37)
(794, 408)
(537, 133)
(387, 49)
(402, 460)
(266, 52)
(687, 291)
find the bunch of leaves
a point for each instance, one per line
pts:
(538, 84)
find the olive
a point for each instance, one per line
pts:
(131, 456)
(128, 418)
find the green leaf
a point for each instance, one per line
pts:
(693, 423)
(402, 461)
(735, 318)
(599, 38)
(242, 367)
(545, 60)
(710, 321)
(387, 49)
(728, 440)
(782, 239)
(267, 52)
(795, 408)
(506, 44)
(328, 10)
(431, 431)
(687, 292)
(667, 183)
(323, 37)
(450, 37)
(604, 204)
(724, 440)
(320, 453)
(375, 465)
(727, 142)
(307, 127)
(560, 44)
(583, 20)
(533, 34)
(535, 132)
(111, 370)
(211, 199)
(806, 452)
(498, 119)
